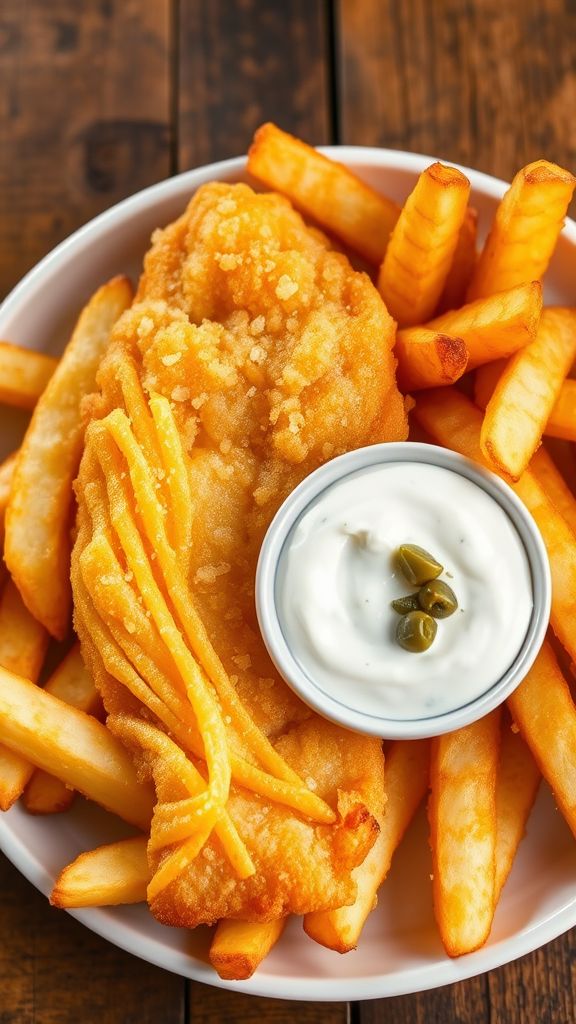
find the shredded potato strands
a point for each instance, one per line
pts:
(137, 607)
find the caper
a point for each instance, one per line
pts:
(438, 599)
(416, 631)
(402, 605)
(417, 565)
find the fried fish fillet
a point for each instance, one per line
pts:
(275, 356)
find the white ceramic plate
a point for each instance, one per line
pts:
(400, 951)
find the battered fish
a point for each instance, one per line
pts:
(275, 356)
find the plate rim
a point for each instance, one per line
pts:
(101, 920)
(279, 986)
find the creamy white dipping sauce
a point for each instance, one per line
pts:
(336, 578)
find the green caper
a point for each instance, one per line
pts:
(402, 605)
(438, 599)
(417, 565)
(416, 631)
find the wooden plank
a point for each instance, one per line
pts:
(53, 970)
(213, 1006)
(84, 117)
(241, 64)
(84, 121)
(539, 987)
(245, 63)
(465, 1003)
(489, 84)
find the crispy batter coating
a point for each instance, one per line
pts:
(275, 356)
(299, 864)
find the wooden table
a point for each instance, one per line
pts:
(101, 98)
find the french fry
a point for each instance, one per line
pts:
(23, 640)
(516, 788)
(106, 877)
(45, 794)
(422, 245)
(462, 814)
(453, 421)
(6, 474)
(525, 230)
(427, 359)
(37, 544)
(406, 781)
(23, 643)
(526, 391)
(462, 266)
(544, 711)
(561, 422)
(490, 328)
(560, 544)
(553, 483)
(239, 947)
(486, 378)
(325, 190)
(75, 747)
(23, 374)
(72, 683)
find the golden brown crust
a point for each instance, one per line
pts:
(275, 355)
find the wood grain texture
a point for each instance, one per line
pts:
(55, 971)
(214, 1006)
(84, 116)
(490, 83)
(539, 988)
(245, 62)
(100, 99)
(240, 64)
(464, 1003)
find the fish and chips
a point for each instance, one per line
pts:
(161, 446)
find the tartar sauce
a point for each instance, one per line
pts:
(336, 578)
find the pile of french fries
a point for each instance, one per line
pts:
(462, 317)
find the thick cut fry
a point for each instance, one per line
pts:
(462, 813)
(422, 246)
(544, 711)
(490, 328)
(561, 422)
(406, 782)
(486, 378)
(73, 746)
(37, 546)
(6, 474)
(453, 421)
(553, 483)
(23, 375)
(462, 266)
(526, 391)
(525, 230)
(325, 190)
(516, 788)
(105, 877)
(45, 794)
(427, 359)
(23, 643)
(239, 947)
(72, 683)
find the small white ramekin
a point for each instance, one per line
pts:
(270, 622)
